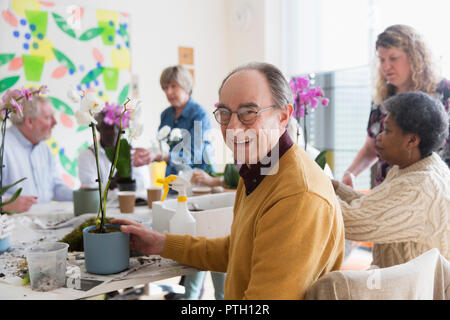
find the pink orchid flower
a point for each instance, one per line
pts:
(43, 89)
(27, 93)
(16, 106)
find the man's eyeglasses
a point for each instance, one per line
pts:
(246, 115)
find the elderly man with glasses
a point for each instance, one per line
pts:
(287, 229)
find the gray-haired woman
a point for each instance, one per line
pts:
(184, 113)
(408, 213)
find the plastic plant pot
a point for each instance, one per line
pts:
(47, 265)
(106, 253)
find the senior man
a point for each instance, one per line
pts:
(287, 230)
(27, 155)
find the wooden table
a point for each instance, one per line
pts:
(43, 223)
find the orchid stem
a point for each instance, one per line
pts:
(305, 131)
(2, 148)
(99, 178)
(114, 162)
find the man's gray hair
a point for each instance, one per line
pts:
(419, 113)
(281, 91)
(179, 74)
(31, 109)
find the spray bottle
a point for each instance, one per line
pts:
(182, 221)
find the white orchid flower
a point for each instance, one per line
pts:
(84, 118)
(74, 95)
(136, 130)
(176, 135)
(165, 148)
(92, 103)
(163, 132)
(135, 110)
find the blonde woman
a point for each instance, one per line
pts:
(404, 64)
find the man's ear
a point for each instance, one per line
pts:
(27, 122)
(285, 113)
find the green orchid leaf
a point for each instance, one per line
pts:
(62, 58)
(6, 188)
(62, 24)
(5, 58)
(91, 34)
(321, 159)
(123, 165)
(8, 82)
(13, 198)
(231, 176)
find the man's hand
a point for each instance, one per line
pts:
(21, 204)
(140, 157)
(142, 239)
(201, 177)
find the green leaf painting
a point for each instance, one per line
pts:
(5, 58)
(82, 128)
(92, 75)
(123, 95)
(62, 24)
(62, 58)
(91, 34)
(61, 106)
(8, 82)
(68, 165)
(85, 145)
(124, 33)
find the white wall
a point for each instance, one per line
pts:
(259, 37)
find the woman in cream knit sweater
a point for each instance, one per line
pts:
(409, 212)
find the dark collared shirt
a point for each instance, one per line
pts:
(252, 176)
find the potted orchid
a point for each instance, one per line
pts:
(106, 247)
(307, 99)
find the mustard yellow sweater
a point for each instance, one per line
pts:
(285, 235)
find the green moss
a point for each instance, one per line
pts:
(75, 238)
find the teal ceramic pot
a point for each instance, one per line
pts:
(86, 201)
(106, 253)
(5, 244)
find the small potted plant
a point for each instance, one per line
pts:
(106, 248)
